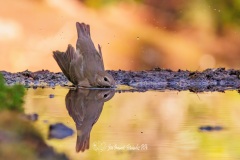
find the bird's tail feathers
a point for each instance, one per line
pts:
(82, 143)
(83, 30)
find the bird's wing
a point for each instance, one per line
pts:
(76, 70)
(63, 62)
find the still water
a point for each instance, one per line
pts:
(140, 125)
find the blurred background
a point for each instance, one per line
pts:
(134, 34)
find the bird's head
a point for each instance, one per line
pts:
(104, 79)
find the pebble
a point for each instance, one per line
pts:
(51, 95)
(210, 128)
(59, 131)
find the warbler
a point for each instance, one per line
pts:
(84, 66)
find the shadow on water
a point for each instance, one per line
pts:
(85, 107)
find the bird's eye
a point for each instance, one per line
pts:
(105, 95)
(105, 79)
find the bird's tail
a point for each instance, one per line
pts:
(82, 143)
(83, 30)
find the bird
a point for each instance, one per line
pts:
(85, 107)
(84, 66)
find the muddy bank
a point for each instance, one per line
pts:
(218, 79)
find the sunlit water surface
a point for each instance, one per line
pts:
(149, 125)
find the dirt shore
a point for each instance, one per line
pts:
(218, 79)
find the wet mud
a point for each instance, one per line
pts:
(209, 80)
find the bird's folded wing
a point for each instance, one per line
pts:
(76, 69)
(63, 62)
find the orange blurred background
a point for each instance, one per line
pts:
(134, 35)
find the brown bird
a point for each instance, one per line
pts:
(84, 67)
(85, 107)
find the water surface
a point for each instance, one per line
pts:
(145, 125)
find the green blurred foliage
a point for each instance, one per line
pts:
(227, 12)
(11, 98)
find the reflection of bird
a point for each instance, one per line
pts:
(84, 67)
(85, 107)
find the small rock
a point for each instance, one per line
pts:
(51, 95)
(32, 117)
(59, 131)
(210, 128)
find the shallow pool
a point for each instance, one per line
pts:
(140, 125)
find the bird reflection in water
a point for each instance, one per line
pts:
(85, 107)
